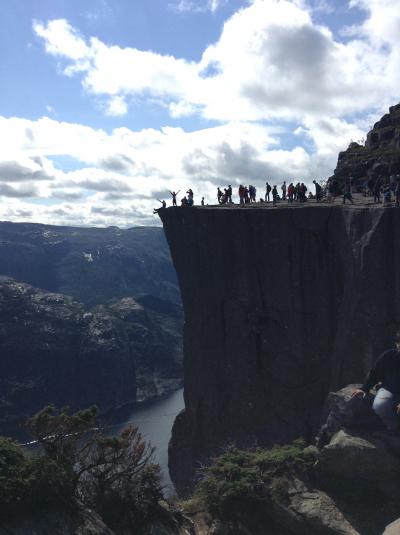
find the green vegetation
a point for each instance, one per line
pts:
(240, 481)
(115, 476)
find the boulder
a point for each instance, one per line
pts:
(359, 457)
(393, 528)
(341, 411)
(305, 510)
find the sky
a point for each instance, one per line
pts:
(108, 105)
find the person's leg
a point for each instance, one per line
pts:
(384, 406)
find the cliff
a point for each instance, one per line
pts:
(378, 156)
(282, 306)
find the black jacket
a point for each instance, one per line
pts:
(386, 371)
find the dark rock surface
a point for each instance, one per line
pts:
(282, 306)
(53, 349)
(359, 465)
(378, 156)
(341, 411)
(354, 483)
(351, 488)
(83, 522)
(307, 510)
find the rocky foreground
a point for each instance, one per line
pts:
(350, 487)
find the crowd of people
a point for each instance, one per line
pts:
(375, 187)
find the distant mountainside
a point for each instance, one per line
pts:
(87, 316)
(93, 265)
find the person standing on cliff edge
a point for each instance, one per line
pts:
(386, 372)
(267, 191)
(174, 194)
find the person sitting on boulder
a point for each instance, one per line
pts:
(386, 373)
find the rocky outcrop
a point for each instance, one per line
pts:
(53, 349)
(349, 488)
(304, 509)
(358, 463)
(378, 156)
(393, 528)
(282, 306)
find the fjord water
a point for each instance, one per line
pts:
(155, 421)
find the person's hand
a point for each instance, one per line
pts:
(358, 393)
(398, 409)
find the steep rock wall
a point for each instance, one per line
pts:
(282, 306)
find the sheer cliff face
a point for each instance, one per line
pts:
(281, 306)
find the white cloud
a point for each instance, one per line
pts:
(272, 64)
(271, 61)
(117, 106)
(197, 6)
(121, 175)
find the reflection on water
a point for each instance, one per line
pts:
(155, 423)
